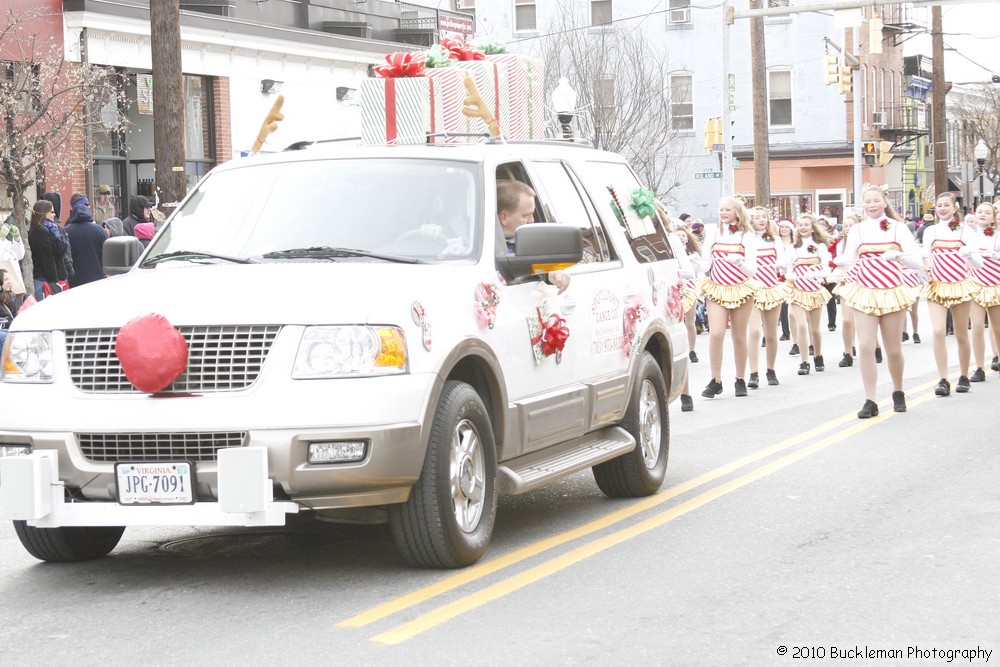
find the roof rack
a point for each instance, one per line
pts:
(469, 135)
(306, 143)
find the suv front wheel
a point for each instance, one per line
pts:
(640, 472)
(448, 519)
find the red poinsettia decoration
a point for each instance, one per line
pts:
(884, 225)
(401, 64)
(989, 231)
(811, 249)
(734, 228)
(954, 224)
(767, 237)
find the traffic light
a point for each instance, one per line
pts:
(270, 123)
(869, 151)
(713, 133)
(885, 152)
(830, 70)
(846, 76)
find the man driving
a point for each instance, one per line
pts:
(516, 207)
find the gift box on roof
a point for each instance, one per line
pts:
(526, 95)
(399, 110)
(450, 83)
(403, 104)
(492, 80)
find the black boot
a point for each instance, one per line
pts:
(754, 381)
(772, 378)
(943, 388)
(818, 363)
(898, 401)
(963, 385)
(804, 368)
(741, 387)
(847, 360)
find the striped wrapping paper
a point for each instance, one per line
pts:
(400, 110)
(491, 78)
(527, 95)
(449, 81)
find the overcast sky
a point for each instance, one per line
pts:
(973, 30)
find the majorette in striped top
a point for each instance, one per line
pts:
(864, 249)
(989, 273)
(770, 254)
(721, 271)
(941, 246)
(809, 267)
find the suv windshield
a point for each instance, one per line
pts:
(379, 208)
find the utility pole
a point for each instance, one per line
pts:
(937, 104)
(168, 102)
(758, 78)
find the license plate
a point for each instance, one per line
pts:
(155, 483)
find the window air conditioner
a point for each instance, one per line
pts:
(878, 118)
(680, 15)
(465, 4)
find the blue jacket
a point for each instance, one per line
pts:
(86, 240)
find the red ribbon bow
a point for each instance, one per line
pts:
(402, 64)
(553, 334)
(459, 50)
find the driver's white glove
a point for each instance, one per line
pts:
(560, 279)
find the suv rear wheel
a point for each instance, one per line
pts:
(641, 471)
(448, 519)
(68, 544)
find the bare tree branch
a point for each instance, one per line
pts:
(623, 101)
(46, 104)
(979, 115)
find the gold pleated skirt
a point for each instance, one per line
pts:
(689, 297)
(949, 294)
(876, 301)
(988, 296)
(767, 298)
(809, 300)
(727, 296)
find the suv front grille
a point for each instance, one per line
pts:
(220, 358)
(110, 447)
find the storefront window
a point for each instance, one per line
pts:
(786, 206)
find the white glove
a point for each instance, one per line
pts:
(431, 231)
(891, 254)
(839, 261)
(964, 251)
(735, 259)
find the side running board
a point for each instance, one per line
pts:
(538, 468)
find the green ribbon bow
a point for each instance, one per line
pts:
(643, 202)
(489, 45)
(438, 56)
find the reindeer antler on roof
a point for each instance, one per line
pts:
(474, 106)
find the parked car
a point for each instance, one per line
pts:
(359, 342)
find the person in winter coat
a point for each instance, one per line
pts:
(86, 238)
(11, 254)
(138, 211)
(45, 253)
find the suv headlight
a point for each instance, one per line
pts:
(350, 351)
(27, 357)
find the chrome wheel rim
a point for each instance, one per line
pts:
(468, 476)
(649, 424)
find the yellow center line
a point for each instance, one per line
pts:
(489, 567)
(449, 611)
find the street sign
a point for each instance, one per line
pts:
(707, 174)
(718, 147)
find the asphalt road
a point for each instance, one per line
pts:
(788, 531)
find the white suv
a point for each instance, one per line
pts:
(360, 342)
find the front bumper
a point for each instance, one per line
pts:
(30, 491)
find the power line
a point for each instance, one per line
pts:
(621, 20)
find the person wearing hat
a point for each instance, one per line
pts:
(86, 239)
(138, 211)
(105, 204)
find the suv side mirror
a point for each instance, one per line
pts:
(540, 248)
(120, 253)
